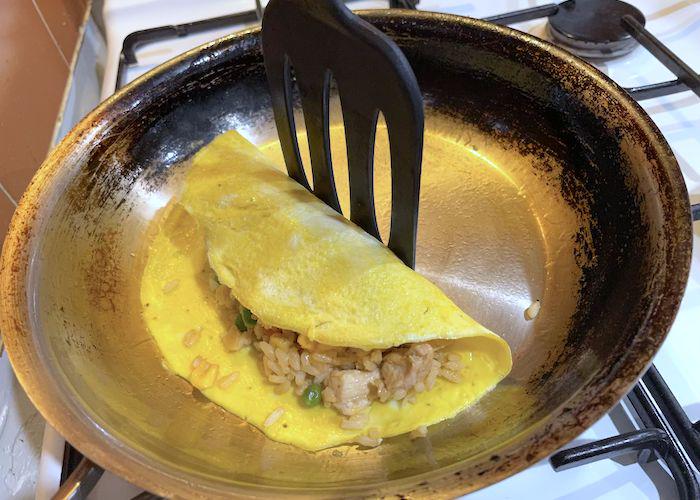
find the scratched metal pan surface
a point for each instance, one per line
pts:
(542, 181)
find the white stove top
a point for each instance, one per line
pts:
(677, 24)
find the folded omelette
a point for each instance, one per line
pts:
(283, 312)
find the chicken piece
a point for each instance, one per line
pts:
(401, 371)
(351, 389)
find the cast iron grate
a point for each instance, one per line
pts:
(132, 41)
(665, 433)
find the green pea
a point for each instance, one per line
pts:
(240, 323)
(248, 317)
(312, 395)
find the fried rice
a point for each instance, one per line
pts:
(351, 379)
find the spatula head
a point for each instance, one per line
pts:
(320, 39)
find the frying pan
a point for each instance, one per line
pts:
(542, 180)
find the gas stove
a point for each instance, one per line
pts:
(647, 446)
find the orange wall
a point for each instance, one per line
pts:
(37, 41)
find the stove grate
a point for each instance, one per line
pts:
(665, 433)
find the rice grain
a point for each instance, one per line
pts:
(355, 422)
(170, 286)
(273, 417)
(532, 311)
(419, 432)
(191, 337)
(368, 441)
(227, 381)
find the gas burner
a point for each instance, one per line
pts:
(593, 28)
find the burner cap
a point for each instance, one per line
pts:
(593, 28)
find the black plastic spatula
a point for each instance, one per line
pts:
(320, 39)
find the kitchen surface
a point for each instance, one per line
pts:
(80, 54)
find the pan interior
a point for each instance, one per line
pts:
(527, 194)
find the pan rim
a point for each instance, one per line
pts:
(556, 429)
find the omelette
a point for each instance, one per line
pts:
(286, 314)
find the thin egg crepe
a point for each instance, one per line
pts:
(298, 266)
